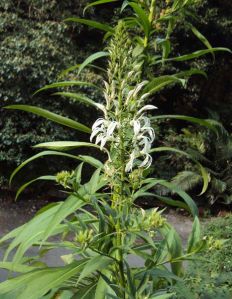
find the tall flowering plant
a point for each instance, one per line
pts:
(100, 224)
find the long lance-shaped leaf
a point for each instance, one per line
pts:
(96, 263)
(195, 120)
(65, 145)
(95, 3)
(13, 267)
(143, 18)
(159, 83)
(94, 24)
(69, 206)
(35, 227)
(92, 58)
(41, 178)
(195, 54)
(35, 284)
(189, 201)
(88, 159)
(202, 38)
(77, 97)
(66, 84)
(87, 61)
(52, 116)
(205, 175)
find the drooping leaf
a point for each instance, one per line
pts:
(65, 84)
(196, 54)
(94, 24)
(92, 58)
(77, 97)
(41, 178)
(87, 61)
(88, 159)
(99, 2)
(202, 38)
(199, 121)
(159, 83)
(52, 116)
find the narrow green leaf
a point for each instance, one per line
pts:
(35, 284)
(65, 84)
(98, 3)
(202, 38)
(96, 263)
(35, 227)
(163, 296)
(14, 267)
(41, 178)
(77, 97)
(199, 121)
(195, 235)
(196, 54)
(94, 24)
(65, 145)
(92, 58)
(143, 18)
(189, 201)
(52, 116)
(159, 83)
(70, 205)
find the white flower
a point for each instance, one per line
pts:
(103, 130)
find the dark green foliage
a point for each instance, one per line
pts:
(36, 45)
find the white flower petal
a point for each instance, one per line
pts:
(111, 128)
(147, 107)
(98, 122)
(147, 162)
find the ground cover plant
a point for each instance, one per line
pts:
(210, 276)
(99, 221)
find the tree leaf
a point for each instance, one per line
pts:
(94, 24)
(52, 116)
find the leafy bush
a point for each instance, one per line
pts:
(210, 277)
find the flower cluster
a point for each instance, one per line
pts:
(125, 120)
